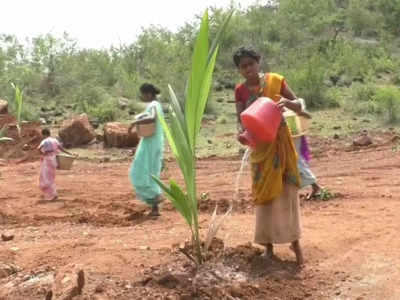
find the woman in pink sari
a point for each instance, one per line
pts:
(49, 148)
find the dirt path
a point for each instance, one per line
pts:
(350, 243)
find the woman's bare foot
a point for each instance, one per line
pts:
(296, 248)
(269, 251)
(315, 191)
(155, 212)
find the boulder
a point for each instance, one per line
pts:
(3, 107)
(77, 131)
(68, 283)
(116, 135)
(363, 141)
(395, 138)
(46, 108)
(7, 236)
(43, 121)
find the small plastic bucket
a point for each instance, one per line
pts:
(262, 119)
(298, 125)
(247, 139)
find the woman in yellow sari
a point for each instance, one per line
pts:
(275, 177)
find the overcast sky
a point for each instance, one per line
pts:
(99, 23)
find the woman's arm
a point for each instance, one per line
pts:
(148, 119)
(239, 109)
(289, 100)
(62, 149)
(40, 147)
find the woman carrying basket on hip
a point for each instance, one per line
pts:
(149, 154)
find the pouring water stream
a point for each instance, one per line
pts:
(215, 222)
(245, 159)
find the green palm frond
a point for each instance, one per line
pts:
(184, 127)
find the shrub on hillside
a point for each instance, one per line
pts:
(363, 92)
(106, 111)
(383, 64)
(349, 59)
(334, 97)
(387, 100)
(307, 80)
(92, 95)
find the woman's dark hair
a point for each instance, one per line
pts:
(148, 88)
(45, 132)
(243, 52)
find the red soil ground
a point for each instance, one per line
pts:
(351, 243)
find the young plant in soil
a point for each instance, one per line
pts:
(18, 102)
(326, 195)
(3, 137)
(184, 127)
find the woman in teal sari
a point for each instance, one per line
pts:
(149, 154)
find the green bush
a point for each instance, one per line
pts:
(334, 97)
(97, 103)
(396, 79)
(307, 81)
(136, 106)
(360, 19)
(363, 92)
(387, 100)
(358, 98)
(383, 64)
(127, 84)
(106, 111)
(29, 112)
(349, 59)
(92, 95)
(391, 11)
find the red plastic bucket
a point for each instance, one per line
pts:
(247, 139)
(262, 119)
